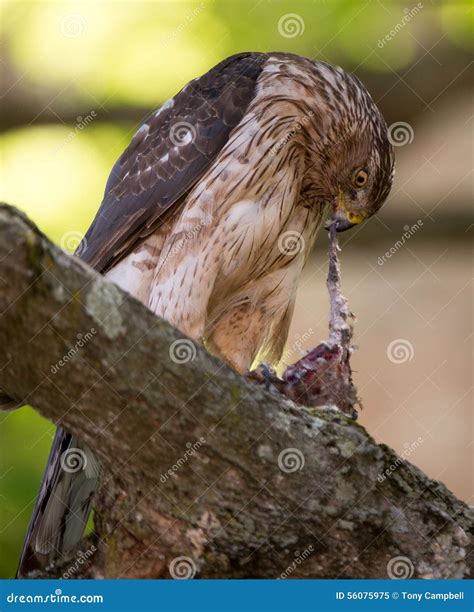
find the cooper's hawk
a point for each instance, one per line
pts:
(196, 215)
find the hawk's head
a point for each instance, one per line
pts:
(355, 154)
(362, 173)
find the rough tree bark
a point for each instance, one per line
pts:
(204, 473)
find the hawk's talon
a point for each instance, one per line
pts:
(269, 375)
(265, 375)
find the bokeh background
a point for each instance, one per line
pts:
(77, 79)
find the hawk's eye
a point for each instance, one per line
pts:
(360, 179)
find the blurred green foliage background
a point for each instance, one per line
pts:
(78, 77)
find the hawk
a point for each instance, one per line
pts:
(196, 219)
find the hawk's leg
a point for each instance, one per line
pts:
(237, 335)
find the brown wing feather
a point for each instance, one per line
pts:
(167, 155)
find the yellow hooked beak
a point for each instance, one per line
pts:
(345, 219)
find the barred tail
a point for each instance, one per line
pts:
(63, 504)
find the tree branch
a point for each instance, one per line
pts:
(197, 462)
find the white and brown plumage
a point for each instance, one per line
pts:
(196, 213)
